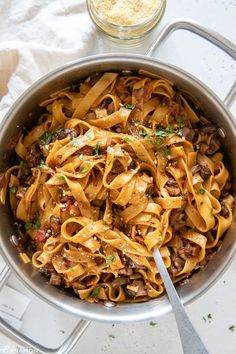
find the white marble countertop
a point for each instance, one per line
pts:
(218, 71)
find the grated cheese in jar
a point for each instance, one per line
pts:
(127, 12)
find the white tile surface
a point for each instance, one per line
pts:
(218, 71)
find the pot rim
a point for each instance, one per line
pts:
(109, 315)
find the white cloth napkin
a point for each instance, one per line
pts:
(36, 37)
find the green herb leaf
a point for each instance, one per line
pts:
(97, 149)
(127, 139)
(95, 292)
(180, 123)
(159, 140)
(57, 130)
(209, 316)
(163, 132)
(28, 226)
(83, 169)
(13, 190)
(212, 213)
(46, 138)
(143, 133)
(129, 106)
(36, 224)
(232, 328)
(72, 269)
(111, 258)
(33, 224)
(61, 178)
(201, 191)
(23, 164)
(42, 163)
(152, 323)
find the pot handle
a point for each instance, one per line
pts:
(33, 346)
(30, 344)
(210, 35)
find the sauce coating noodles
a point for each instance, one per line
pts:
(116, 165)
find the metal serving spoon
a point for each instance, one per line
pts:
(191, 342)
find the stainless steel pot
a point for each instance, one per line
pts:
(205, 98)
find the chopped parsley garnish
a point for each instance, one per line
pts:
(96, 149)
(201, 191)
(152, 323)
(72, 269)
(163, 132)
(143, 133)
(46, 138)
(129, 105)
(23, 164)
(13, 190)
(180, 123)
(232, 328)
(111, 258)
(42, 163)
(212, 213)
(159, 238)
(127, 139)
(159, 140)
(28, 226)
(83, 169)
(61, 178)
(57, 130)
(95, 292)
(34, 224)
(207, 318)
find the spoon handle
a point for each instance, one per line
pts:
(191, 342)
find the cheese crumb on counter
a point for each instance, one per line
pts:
(126, 12)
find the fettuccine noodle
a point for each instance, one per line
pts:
(116, 165)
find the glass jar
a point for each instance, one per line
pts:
(124, 32)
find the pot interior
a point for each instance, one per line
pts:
(20, 116)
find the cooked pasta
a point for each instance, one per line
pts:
(117, 164)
